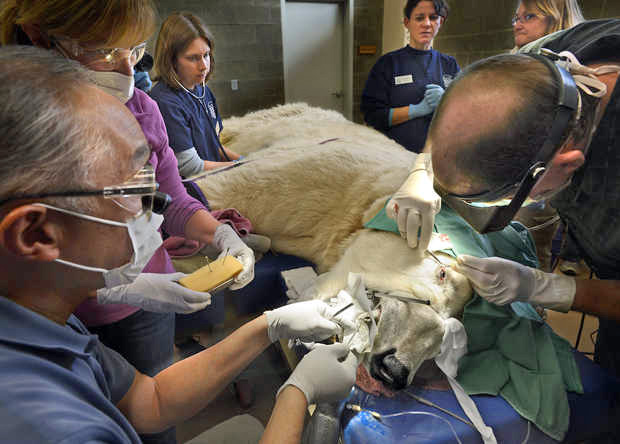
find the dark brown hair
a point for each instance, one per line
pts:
(177, 32)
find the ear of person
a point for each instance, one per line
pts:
(27, 232)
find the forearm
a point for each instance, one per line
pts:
(400, 115)
(211, 165)
(201, 227)
(287, 418)
(183, 389)
(598, 298)
(231, 154)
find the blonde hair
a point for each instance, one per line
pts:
(120, 23)
(177, 32)
(561, 14)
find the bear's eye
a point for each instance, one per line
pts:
(442, 274)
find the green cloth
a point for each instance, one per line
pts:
(511, 351)
(382, 222)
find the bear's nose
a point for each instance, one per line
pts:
(388, 369)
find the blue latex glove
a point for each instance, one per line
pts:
(433, 94)
(427, 105)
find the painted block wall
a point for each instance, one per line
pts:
(248, 48)
(481, 28)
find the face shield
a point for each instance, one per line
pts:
(492, 210)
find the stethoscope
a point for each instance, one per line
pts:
(204, 106)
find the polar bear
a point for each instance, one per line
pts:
(310, 182)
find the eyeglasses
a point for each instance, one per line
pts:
(142, 185)
(525, 18)
(102, 59)
(481, 210)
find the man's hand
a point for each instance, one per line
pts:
(160, 293)
(415, 205)
(309, 321)
(501, 282)
(227, 241)
(326, 374)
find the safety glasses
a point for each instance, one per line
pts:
(483, 211)
(523, 19)
(137, 195)
(101, 59)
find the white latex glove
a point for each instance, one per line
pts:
(226, 240)
(159, 293)
(415, 205)
(433, 94)
(308, 321)
(501, 282)
(326, 374)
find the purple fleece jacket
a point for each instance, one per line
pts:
(176, 216)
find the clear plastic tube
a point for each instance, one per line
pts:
(413, 412)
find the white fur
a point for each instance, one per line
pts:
(312, 199)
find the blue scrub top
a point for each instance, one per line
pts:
(399, 78)
(190, 123)
(59, 383)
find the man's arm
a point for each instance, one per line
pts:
(185, 388)
(598, 298)
(287, 418)
(501, 281)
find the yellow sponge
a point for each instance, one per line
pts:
(212, 275)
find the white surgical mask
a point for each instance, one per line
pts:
(119, 85)
(145, 240)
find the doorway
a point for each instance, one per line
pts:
(317, 38)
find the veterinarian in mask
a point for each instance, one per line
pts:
(405, 86)
(60, 383)
(184, 61)
(562, 148)
(108, 38)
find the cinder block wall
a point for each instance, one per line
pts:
(248, 47)
(248, 39)
(481, 28)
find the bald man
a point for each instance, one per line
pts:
(490, 130)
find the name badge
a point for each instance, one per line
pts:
(403, 80)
